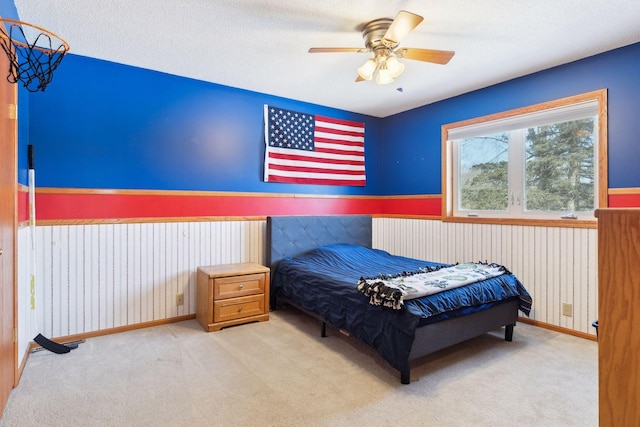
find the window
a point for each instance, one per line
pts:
(546, 161)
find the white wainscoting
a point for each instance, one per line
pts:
(96, 277)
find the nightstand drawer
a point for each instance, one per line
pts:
(238, 308)
(237, 286)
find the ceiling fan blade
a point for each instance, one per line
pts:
(359, 79)
(336, 49)
(428, 55)
(402, 25)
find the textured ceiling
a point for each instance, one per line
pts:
(261, 45)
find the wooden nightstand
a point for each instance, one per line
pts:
(232, 294)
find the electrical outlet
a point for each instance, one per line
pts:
(180, 299)
(567, 310)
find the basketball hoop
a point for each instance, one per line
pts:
(34, 53)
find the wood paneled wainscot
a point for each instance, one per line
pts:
(619, 316)
(232, 294)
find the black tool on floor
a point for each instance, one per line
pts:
(53, 346)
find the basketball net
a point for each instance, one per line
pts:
(34, 53)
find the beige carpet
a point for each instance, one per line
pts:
(281, 373)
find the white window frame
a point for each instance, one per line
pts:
(565, 109)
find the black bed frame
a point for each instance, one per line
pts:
(293, 235)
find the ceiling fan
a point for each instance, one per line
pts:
(382, 37)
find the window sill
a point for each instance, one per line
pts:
(564, 223)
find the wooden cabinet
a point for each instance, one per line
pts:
(619, 316)
(232, 294)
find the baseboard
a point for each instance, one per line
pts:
(116, 330)
(558, 329)
(30, 347)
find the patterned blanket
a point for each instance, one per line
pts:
(391, 291)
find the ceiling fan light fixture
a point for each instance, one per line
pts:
(394, 66)
(384, 76)
(382, 38)
(368, 69)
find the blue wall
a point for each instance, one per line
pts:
(105, 125)
(414, 157)
(8, 9)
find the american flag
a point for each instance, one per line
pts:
(310, 149)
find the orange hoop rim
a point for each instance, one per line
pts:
(4, 35)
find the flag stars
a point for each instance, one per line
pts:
(291, 129)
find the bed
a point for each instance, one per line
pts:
(298, 248)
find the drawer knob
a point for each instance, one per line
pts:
(239, 309)
(241, 286)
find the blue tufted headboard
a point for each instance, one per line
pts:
(293, 235)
